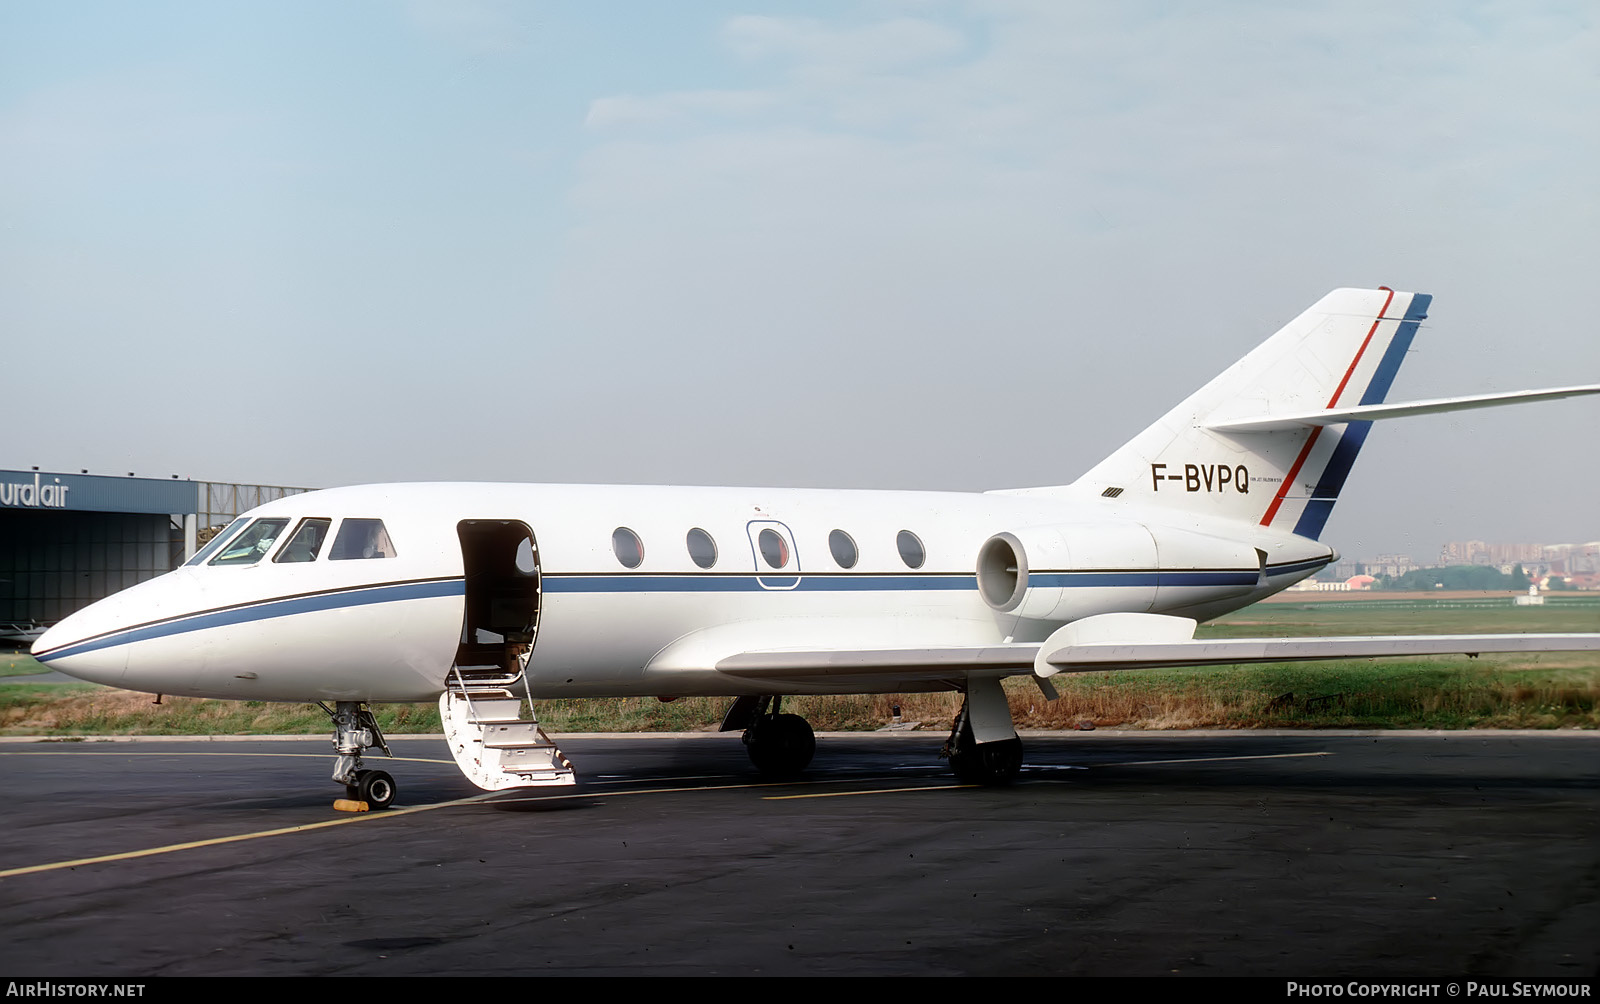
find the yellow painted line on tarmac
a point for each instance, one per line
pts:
(488, 797)
(203, 752)
(1210, 759)
(647, 791)
(147, 852)
(875, 791)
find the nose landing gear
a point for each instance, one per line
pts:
(354, 730)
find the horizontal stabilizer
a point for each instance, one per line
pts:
(1404, 409)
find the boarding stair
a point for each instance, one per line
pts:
(495, 747)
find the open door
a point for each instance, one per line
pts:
(481, 706)
(501, 563)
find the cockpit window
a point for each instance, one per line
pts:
(361, 538)
(249, 547)
(306, 542)
(216, 542)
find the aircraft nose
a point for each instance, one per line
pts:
(75, 647)
(94, 643)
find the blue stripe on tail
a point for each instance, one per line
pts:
(1316, 512)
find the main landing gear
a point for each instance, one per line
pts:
(983, 747)
(355, 730)
(779, 745)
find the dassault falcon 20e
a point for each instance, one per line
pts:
(481, 595)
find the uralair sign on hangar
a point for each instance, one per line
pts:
(67, 540)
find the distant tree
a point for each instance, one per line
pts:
(1519, 578)
(1464, 577)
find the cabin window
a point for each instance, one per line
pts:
(774, 549)
(843, 547)
(702, 549)
(361, 538)
(249, 547)
(911, 551)
(307, 541)
(627, 546)
(216, 542)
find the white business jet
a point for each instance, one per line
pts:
(481, 595)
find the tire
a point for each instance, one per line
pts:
(781, 745)
(376, 788)
(989, 764)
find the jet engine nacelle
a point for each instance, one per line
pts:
(1062, 572)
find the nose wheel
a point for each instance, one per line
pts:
(374, 787)
(355, 730)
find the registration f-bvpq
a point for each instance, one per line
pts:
(481, 595)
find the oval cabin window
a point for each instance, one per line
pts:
(844, 550)
(911, 551)
(702, 549)
(625, 544)
(774, 549)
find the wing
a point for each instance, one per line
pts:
(1120, 641)
(1070, 658)
(905, 663)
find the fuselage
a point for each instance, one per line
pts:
(367, 593)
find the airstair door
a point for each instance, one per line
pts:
(481, 707)
(500, 560)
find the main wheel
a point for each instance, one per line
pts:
(781, 745)
(376, 788)
(989, 764)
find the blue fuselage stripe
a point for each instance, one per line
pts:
(668, 583)
(288, 606)
(1152, 578)
(653, 583)
(750, 582)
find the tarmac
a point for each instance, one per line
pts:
(1304, 855)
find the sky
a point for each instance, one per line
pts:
(892, 243)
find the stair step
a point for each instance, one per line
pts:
(477, 694)
(494, 711)
(522, 761)
(495, 747)
(515, 735)
(485, 679)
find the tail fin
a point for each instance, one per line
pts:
(1342, 352)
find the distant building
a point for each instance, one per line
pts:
(1391, 565)
(1313, 586)
(67, 540)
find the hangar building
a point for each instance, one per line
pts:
(67, 540)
